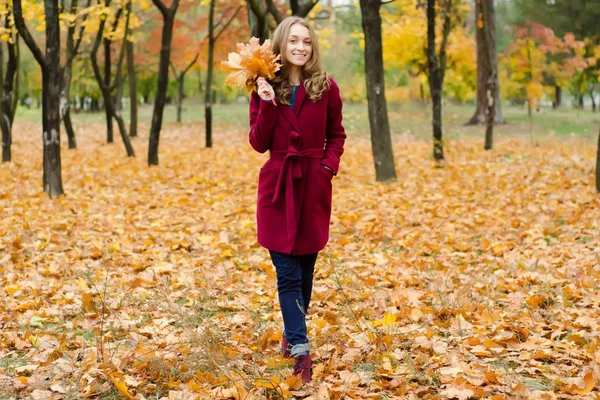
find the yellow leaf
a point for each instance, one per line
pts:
(12, 289)
(584, 386)
(121, 386)
(267, 383)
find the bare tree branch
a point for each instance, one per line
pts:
(274, 11)
(161, 6)
(228, 22)
(25, 34)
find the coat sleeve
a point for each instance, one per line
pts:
(335, 135)
(263, 115)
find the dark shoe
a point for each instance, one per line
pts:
(303, 368)
(285, 348)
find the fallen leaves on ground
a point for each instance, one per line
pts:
(474, 279)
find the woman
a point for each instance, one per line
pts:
(298, 117)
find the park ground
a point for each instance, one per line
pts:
(476, 278)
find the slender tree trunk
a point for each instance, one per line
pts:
(7, 102)
(558, 98)
(180, 81)
(132, 91)
(436, 80)
(72, 46)
(106, 87)
(381, 141)
(593, 100)
(163, 77)
(1, 63)
(16, 92)
(65, 106)
(209, 71)
(598, 164)
(491, 89)
(485, 10)
(107, 79)
(119, 86)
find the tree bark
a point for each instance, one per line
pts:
(257, 20)
(163, 77)
(72, 47)
(180, 77)
(302, 8)
(132, 91)
(212, 39)
(209, 71)
(558, 98)
(381, 141)
(485, 11)
(65, 106)
(491, 87)
(50, 65)
(16, 88)
(119, 86)
(436, 70)
(180, 82)
(7, 100)
(106, 87)
(598, 164)
(105, 96)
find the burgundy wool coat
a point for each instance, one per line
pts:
(294, 189)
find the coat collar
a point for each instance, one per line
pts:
(292, 115)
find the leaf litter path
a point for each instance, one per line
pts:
(478, 279)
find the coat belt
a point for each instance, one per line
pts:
(294, 163)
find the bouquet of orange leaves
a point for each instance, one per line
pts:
(250, 62)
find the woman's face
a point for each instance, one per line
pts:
(299, 46)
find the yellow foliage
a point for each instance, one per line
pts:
(404, 44)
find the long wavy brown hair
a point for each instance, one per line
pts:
(316, 80)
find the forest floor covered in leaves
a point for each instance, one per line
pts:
(475, 279)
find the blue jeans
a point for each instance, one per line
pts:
(294, 286)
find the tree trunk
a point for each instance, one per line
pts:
(381, 141)
(7, 102)
(107, 78)
(132, 91)
(483, 65)
(491, 87)
(106, 88)
(435, 77)
(598, 164)
(65, 106)
(50, 66)
(15, 103)
(119, 86)
(593, 100)
(558, 98)
(1, 63)
(72, 46)
(163, 78)
(51, 123)
(180, 81)
(209, 71)
(257, 20)
(180, 84)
